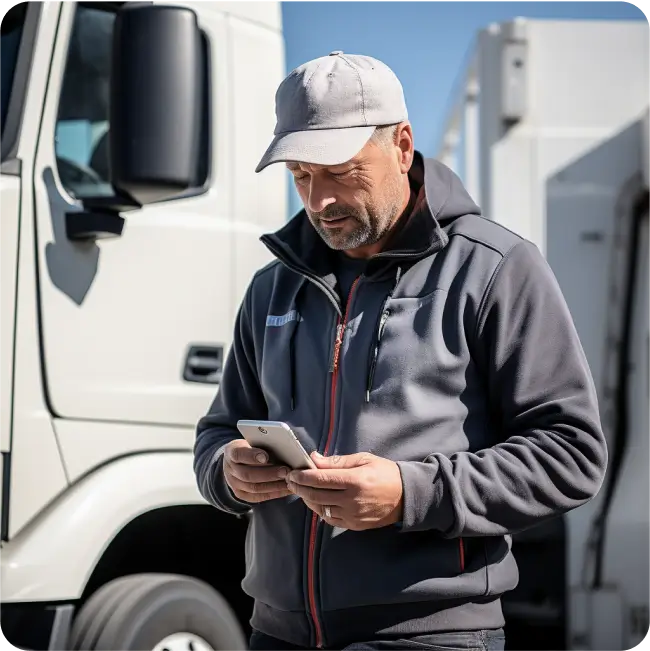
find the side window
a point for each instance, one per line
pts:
(81, 139)
(12, 29)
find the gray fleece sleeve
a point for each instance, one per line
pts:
(550, 453)
(239, 397)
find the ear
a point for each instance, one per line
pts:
(404, 144)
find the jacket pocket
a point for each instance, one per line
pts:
(502, 573)
(274, 552)
(374, 348)
(413, 345)
(384, 566)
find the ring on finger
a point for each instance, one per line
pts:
(328, 512)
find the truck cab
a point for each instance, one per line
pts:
(131, 214)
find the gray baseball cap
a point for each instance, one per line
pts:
(327, 109)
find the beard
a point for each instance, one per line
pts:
(364, 226)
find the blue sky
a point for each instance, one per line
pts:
(425, 43)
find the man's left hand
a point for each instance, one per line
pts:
(362, 491)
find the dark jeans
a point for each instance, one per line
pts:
(458, 641)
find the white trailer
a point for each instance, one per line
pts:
(549, 129)
(112, 347)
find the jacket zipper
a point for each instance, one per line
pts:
(385, 313)
(311, 563)
(380, 330)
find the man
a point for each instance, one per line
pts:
(428, 359)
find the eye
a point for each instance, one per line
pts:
(344, 175)
(300, 178)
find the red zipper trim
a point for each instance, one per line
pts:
(461, 552)
(340, 329)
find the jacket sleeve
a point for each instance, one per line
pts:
(550, 453)
(239, 396)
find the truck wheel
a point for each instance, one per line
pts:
(165, 612)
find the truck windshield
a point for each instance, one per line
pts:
(11, 32)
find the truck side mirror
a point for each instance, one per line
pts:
(156, 100)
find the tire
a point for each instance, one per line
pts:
(139, 611)
(93, 617)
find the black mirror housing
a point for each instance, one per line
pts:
(156, 100)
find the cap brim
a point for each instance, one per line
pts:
(316, 146)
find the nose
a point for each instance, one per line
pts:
(320, 195)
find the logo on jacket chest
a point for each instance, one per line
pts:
(273, 321)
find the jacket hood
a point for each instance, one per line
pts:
(441, 198)
(446, 195)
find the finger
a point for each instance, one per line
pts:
(336, 512)
(330, 479)
(241, 452)
(256, 474)
(256, 498)
(341, 461)
(317, 495)
(261, 487)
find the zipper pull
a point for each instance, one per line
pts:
(337, 347)
(382, 323)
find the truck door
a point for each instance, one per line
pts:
(11, 21)
(134, 327)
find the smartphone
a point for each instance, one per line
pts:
(278, 440)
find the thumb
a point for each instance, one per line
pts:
(341, 461)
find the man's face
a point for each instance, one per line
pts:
(353, 206)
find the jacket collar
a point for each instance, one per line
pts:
(417, 235)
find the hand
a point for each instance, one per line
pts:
(363, 491)
(250, 476)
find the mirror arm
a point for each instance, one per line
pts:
(90, 226)
(99, 219)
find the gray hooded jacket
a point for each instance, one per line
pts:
(458, 359)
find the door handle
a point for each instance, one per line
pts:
(204, 364)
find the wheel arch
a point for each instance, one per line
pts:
(55, 556)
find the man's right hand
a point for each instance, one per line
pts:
(250, 475)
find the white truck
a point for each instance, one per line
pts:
(118, 298)
(548, 128)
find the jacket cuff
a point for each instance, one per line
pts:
(425, 505)
(219, 492)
